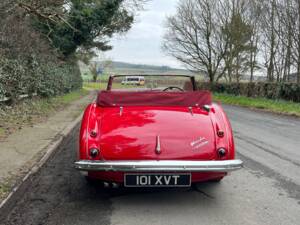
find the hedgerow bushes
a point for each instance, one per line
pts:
(55, 80)
(44, 79)
(29, 63)
(285, 91)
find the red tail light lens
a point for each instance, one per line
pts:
(220, 133)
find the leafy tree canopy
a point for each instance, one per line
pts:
(87, 24)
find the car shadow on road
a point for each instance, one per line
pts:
(207, 189)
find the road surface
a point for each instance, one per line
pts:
(266, 191)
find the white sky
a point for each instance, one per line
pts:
(142, 44)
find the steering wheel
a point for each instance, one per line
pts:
(173, 87)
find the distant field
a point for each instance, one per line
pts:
(88, 76)
(137, 69)
(147, 71)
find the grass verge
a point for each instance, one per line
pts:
(102, 86)
(94, 86)
(276, 106)
(4, 190)
(31, 111)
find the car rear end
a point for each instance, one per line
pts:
(156, 145)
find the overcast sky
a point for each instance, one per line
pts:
(142, 44)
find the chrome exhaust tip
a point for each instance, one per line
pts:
(115, 185)
(106, 185)
(84, 173)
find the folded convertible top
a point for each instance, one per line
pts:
(153, 98)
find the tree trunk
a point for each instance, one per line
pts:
(272, 51)
(237, 75)
(252, 59)
(94, 77)
(287, 66)
(298, 60)
(230, 73)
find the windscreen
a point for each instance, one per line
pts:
(159, 83)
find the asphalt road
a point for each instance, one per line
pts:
(266, 191)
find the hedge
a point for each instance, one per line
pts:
(45, 79)
(285, 91)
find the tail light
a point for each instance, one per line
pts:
(220, 133)
(94, 152)
(222, 152)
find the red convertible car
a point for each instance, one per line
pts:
(165, 134)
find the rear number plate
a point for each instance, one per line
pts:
(157, 180)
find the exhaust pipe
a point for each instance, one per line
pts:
(115, 185)
(110, 185)
(106, 185)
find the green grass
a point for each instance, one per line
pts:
(68, 98)
(47, 105)
(94, 86)
(4, 190)
(31, 111)
(103, 86)
(276, 106)
(87, 76)
(2, 132)
(27, 113)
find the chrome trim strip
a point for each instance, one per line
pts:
(191, 110)
(157, 149)
(160, 165)
(121, 110)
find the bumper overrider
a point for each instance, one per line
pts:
(160, 165)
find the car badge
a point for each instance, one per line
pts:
(200, 142)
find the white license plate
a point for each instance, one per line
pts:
(157, 180)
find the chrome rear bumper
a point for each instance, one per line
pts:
(160, 165)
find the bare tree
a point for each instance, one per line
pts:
(297, 40)
(17, 38)
(280, 34)
(220, 37)
(240, 34)
(288, 21)
(270, 35)
(194, 37)
(254, 14)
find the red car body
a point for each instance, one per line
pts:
(156, 132)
